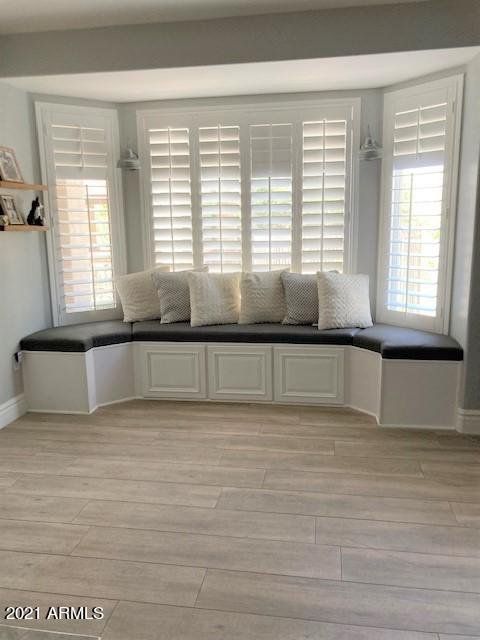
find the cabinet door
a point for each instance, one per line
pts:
(171, 371)
(309, 375)
(240, 373)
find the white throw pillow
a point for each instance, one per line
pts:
(301, 297)
(214, 298)
(138, 295)
(173, 295)
(263, 298)
(343, 301)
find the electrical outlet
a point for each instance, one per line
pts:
(17, 360)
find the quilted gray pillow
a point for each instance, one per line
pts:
(301, 295)
(174, 295)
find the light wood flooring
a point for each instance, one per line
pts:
(198, 521)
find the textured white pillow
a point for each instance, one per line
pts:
(138, 295)
(344, 301)
(214, 298)
(301, 296)
(174, 295)
(263, 298)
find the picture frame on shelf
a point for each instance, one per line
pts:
(9, 167)
(9, 208)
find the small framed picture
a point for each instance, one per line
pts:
(9, 169)
(9, 209)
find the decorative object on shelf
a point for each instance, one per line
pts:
(370, 149)
(35, 217)
(129, 160)
(9, 169)
(4, 222)
(9, 209)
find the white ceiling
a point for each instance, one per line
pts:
(19, 16)
(326, 74)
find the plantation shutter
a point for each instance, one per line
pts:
(271, 196)
(420, 160)
(323, 195)
(257, 187)
(220, 190)
(77, 161)
(171, 197)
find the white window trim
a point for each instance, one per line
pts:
(441, 323)
(42, 111)
(184, 111)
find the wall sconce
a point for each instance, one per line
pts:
(129, 160)
(370, 149)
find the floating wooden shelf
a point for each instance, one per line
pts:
(25, 186)
(22, 227)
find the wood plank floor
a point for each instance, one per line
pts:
(199, 521)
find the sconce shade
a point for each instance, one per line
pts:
(370, 149)
(129, 161)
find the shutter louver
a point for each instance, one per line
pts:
(419, 146)
(323, 195)
(171, 197)
(271, 196)
(83, 242)
(220, 187)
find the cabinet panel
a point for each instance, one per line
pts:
(172, 371)
(240, 373)
(308, 375)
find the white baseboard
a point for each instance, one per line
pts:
(12, 409)
(424, 427)
(468, 421)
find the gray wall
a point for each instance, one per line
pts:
(24, 289)
(433, 24)
(369, 175)
(465, 313)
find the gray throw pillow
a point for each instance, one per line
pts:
(301, 295)
(174, 295)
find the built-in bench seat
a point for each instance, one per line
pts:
(401, 376)
(78, 337)
(387, 340)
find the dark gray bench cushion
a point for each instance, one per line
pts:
(78, 337)
(390, 341)
(273, 333)
(408, 344)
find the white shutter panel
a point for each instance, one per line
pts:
(171, 197)
(323, 195)
(271, 196)
(419, 138)
(80, 159)
(220, 190)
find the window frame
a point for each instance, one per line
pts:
(44, 112)
(395, 101)
(244, 112)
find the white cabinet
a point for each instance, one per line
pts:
(172, 370)
(240, 372)
(309, 375)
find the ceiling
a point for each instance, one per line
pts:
(20, 16)
(326, 74)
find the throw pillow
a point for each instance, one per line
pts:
(263, 298)
(301, 296)
(214, 298)
(138, 295)
(173, 294)
(344, 301)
